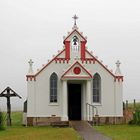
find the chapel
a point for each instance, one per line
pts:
(74, 85)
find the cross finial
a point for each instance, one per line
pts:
(30, 62)
(30, 67)
(118, 71)
(118, 63)
(75, 17)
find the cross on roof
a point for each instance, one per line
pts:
(118, 63)
(30, 72)
(30, 62)
(75, 17)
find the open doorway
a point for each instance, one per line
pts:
(74, 101)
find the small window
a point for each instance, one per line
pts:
(53, 88)
(96, 88)
(75, 44)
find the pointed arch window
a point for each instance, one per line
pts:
(96, 88)
(53, 88)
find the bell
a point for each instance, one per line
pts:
(74, 40)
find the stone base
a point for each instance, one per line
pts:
(108, 120)
(42, 121)
(64, 118)
(57, 121)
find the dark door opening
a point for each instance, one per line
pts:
(74, 101)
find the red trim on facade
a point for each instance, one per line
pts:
(72, 33)
(73, 66)
(83, 43)
(61, 60)
(30, 78)
(119, 78)
(77, 77)
(67, 48)
(77, 70)
(49, 63)
(86, 60)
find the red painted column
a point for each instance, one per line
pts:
(83, 48)
(67, 49)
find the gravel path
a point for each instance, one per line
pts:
(87, 132)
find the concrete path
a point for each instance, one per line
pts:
(87, 132)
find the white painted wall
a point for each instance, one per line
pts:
(31, 98)
(38, 91)
(119, 98)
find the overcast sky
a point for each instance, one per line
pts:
(35, 29)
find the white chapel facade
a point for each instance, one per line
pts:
(74, 85)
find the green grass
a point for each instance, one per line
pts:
(16, 118)
(131, 106)
(38, 133)
(120, 132)
(19, 132)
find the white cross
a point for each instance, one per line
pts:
(30, 67)
(118, 63)
(30, 62)
(75, 17)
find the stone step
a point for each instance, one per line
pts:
(60, 123)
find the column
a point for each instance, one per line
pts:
(88, 100)
(64, 102)
(118, 98)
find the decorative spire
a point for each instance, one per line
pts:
(30, 72)
(118, 71)
(75, 17)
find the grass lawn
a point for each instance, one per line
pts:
(120, 132)
(19, 132)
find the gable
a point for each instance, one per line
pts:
(75, 32)
(76, 71)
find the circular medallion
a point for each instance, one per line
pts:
(77, 70)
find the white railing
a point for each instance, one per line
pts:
(91, 111)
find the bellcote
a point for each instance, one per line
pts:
(75, 43)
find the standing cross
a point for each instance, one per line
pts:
(75, 18)
(8, 93)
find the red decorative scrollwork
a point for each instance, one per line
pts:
(77, 70)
